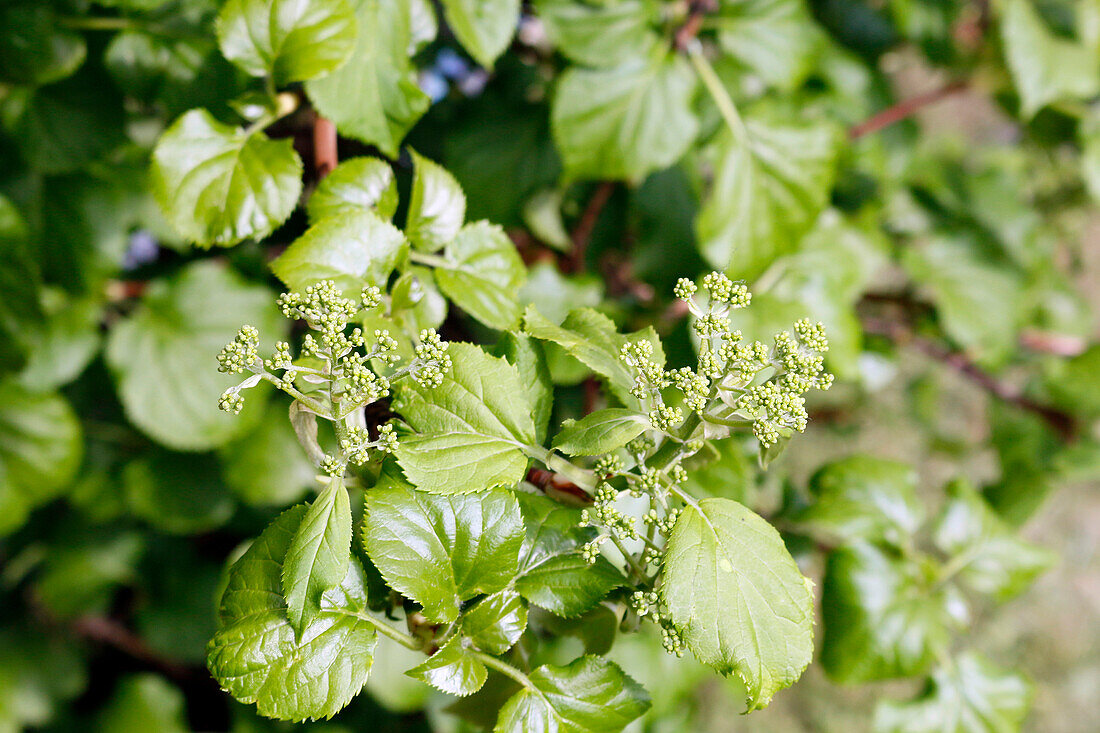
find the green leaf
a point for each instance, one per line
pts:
(471, 431)
(40, 450)
(257, 657)
(496, 622)
(34, 47)
(39, 673)
(526, 355)
(484, 275)
(218, 184)
(601, 34)
(268, 467)
(374, 97)
(600, 432)
(969, 696)
(738, 597)
(766, 191)
(358, 184)
(145, 702)
(353, 249)
(317, 559)
(777, 39)
(590, 695)
(865, 498)
(452, 669)
(291, 40)
(1045, 67)
(624, 122)
(442, 550)
(83, 572)
(162, 355)
(995, 561)
(68, 340)
(437, 207)
(483, 27)
(1072, 382)
(177, 493)
(592, 338)
(883, 616)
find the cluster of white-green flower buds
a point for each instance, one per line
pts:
(604, 513)
(433, 361)
(646, 604)
(357, 444)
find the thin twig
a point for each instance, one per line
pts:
(325, 156)
(558, 487)
(582, 233)
(699, 9)
(111, 633)
(905, 108)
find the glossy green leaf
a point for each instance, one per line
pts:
(483, 27)
(883, 616)
(738, 597)
(993, 559)
(600, 432)
(601, 34)
(452, 669)
(374, 97)
(777, 39)
(471, 430)
(354, 185)
(317, 559)
(590, 695)
(483, 275)
(624, 122)
(291, 40)
(161, 355)
(442, 550)
(354, 249)
(970, 696)
(34, 47)
(496, 622)
(865, 498)
(257, 657)
(218, 184)
(437, 207)
(526, 355)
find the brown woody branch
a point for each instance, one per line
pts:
(904, 109)
(698, 10)
(325, 157)
(582, 233)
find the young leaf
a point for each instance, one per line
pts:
(486, 274)
(256, 655)
(627, 121)
(997, 562)
(600, 432)
(882, 617)
(452, 669)
(777, 39)
(292, 40)
(317, 559)
(354, 185)
(437, 207)
(969, 696)
(471, 430)
(590, 695)
(353, 249)
(160, 355)
(865, 498)
(495, 624)
(601, 34)
(738, 597)
(526, 355)
(442, 550)
(483, 27)
(219, 185)
(374, 97)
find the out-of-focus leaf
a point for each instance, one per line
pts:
(483, 27)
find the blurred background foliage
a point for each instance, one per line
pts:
(927, 172)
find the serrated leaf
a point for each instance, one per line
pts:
(257, 657)
(567, 585)
(624, 122)
(374, 97)
(738, 598)
(526, 355)
(865, 498)
(485, 276)
(353, 249)
(766, 191)
(776, 39)
(590, 695)
(292, 40)
(997, 561)
(219, 185)
(317, 559)
(471, 431)
(161, 355)
(358, 184)
(883, 617)
(483, 27)
(601, 34)
(496, 622)
(442, 550)
(437, 206)
(970, 696)
(600, 432)
(452, 669)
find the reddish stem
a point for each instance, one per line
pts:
(582, 233)
(325, 156)
(905, 108)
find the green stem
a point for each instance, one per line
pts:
(580, 476)
(717, 92)
(424, 258)
(504, 668)
(99, 24)
(715, 420)
(305, 399)
(667, 454)
(406, 640)
(629, 558)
